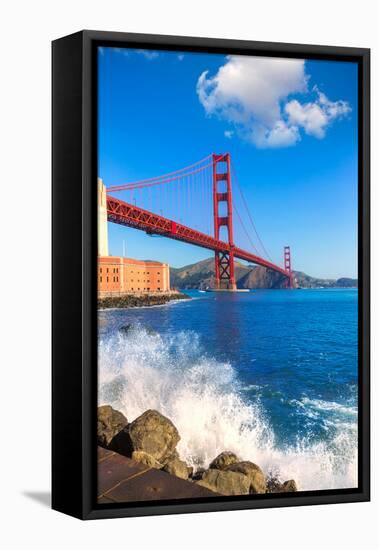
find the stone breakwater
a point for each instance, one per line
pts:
(151, 439)
(139, 300)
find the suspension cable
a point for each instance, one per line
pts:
(244, 228)
(158, 178)
(249, 215)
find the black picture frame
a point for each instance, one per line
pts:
(74, 294)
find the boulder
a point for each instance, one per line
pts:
(154, 434)
(257, 481)
(177, 467)
(275, 486)
(146, 459)
(109, 423)
(289, 486)
(223, 460)
(225, 482)
(196, 476)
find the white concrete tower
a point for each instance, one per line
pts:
(102, 219)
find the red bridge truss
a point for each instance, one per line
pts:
(134, 216)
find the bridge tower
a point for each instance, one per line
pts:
(287, 265)
(222, 193)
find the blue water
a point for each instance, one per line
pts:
(280, 366)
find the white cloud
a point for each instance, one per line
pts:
(253, 93)
(228, 134)
(149, 54)
(280, 135)
(315, 116)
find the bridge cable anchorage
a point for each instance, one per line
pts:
(249, 214)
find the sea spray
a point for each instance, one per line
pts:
(173, 374)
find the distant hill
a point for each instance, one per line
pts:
(306, 281)
(201, 275)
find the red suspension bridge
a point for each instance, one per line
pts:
(160, 205)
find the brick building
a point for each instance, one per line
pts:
(117, 274)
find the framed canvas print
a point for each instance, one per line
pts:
(210, 275)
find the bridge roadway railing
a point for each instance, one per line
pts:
(130, 215)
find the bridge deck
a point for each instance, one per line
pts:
(132, 216)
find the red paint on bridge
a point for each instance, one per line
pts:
(130, 215)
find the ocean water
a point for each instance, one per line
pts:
(271, 375)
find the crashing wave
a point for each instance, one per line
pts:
(173, 374)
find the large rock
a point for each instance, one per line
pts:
(223, 460)
(154, 434)
(275, 486)
(109, 424)
(289, 486)
(198, 474)
(225, 482)
(145, 458)
(255, 476)
(177, 467)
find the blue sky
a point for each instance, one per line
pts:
(289, 125)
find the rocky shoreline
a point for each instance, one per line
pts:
(151, 439)
(139, 300)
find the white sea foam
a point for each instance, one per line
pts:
(202, 397)
(319, 404)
